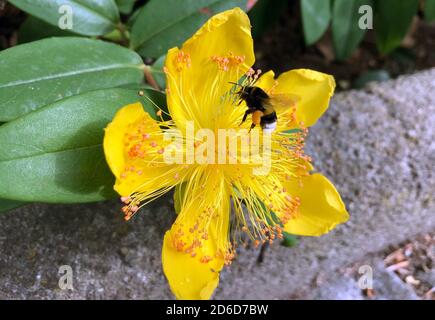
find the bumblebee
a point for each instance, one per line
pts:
(263, 106)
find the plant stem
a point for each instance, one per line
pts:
(124, 35)
(150, 79)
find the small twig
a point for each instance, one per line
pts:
(263, 249)
(150, 79)
(399, 265)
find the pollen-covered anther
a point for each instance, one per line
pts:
(177, 241)
(206, 259)
(250, 72)
(225, 63)
(253, 75)
(126, 200)
(229, 257)
(129, 210)
(182, 61)
(290, 211)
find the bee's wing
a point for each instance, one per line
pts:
(282, 102)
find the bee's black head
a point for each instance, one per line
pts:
(245, 92)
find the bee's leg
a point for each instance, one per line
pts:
(252, 127)
(245, 116)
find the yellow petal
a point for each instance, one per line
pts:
(321, 207)
(189, 275)
(313, 90)
(146, 174)
(266, 81)
(115, 133)
(188, 278)
(199, 73)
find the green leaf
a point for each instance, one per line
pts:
(346, 32)
(35, 29)
(132, 18)
(55, 154)
(157, 71)
(371, 76)
(89, 17)
(289, 240)
(125, 6)
(392, 21)
(6, 205)
(429, 10)
(154, 95)
(316, 16)
(38, 73)
(264, 14)
(163, 24)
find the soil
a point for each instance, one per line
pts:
(10, 20)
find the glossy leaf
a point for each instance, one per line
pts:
(393, 19)
(157, 71)
(316, 16)
(88, 17)
(429, 10)
(125, 6)
(35, 29)
(6, 205)
(38, 73)
(163, 24)
(55, 154)
(346, 32)
(371, 76)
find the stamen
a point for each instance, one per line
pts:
(225, 63)
(182, 61)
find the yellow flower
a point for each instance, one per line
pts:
(288, 198)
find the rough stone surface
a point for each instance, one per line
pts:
(376, 145)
